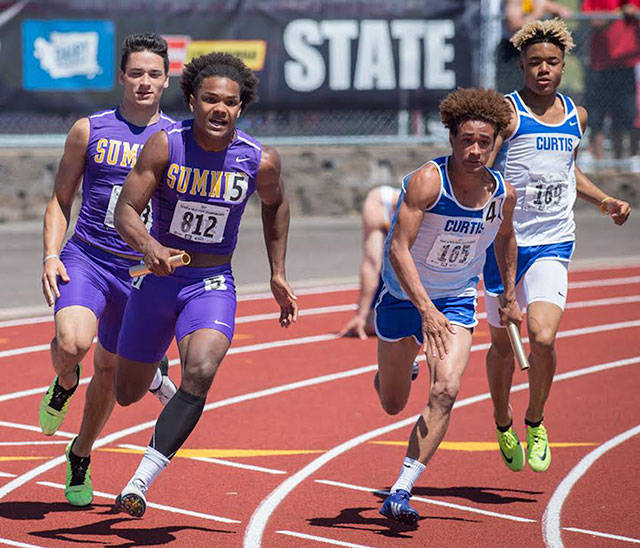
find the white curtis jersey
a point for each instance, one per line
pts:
(449, 250)
(539, 162)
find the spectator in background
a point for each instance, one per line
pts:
(611, 86)
(518, 13)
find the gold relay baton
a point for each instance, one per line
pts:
(175, 260)
(516, 342)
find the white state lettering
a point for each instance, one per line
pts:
(437, 53)
(374, 65)
(409, 33)
(307, 71)
(339, 34)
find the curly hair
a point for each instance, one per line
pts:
(482, 104)
(553, 31)
(220, 64)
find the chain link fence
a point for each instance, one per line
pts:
(612, 114)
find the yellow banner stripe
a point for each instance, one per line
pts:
(223, 453)
(480, 445)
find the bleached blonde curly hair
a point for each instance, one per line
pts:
(554, 31)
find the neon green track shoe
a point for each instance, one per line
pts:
(510, 449)
(54, 405)
(78, 488)
(538, 452)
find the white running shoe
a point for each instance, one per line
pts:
(132, 499)
(167, 388)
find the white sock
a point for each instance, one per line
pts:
(153, 462)
(411, 470)
(157, 380)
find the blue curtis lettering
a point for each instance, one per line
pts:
(562, 144)
(463, 226)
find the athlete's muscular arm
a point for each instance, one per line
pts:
(421, 192)
(136, 193)
(619, 210)
(506, 250)
(373, 234)
(58, 212)
(275, 226)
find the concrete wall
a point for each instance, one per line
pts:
(319, 180)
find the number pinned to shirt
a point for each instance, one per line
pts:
(199, 222)
(146, 215)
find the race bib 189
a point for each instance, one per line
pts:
(199, 222)
(546, 193)
(146, 215)
(451, 253)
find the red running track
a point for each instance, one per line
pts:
(294, 450)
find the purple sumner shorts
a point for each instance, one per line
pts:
(163, 306)
(99, 281)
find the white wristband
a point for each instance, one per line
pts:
(52, 256)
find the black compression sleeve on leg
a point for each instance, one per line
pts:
(177, 420)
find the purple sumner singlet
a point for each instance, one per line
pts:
(202, 195)
(113, 147)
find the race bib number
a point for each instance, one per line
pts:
(451, 253)
(146, 214)
(199, 222)
(546, 193)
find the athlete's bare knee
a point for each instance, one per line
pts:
(444, 393)
(392, 406)
(70, 346)
(198, 376)
(542, 339)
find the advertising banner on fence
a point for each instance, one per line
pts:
(319, 55)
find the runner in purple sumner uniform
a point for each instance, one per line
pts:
(89, 280)
(199, 174)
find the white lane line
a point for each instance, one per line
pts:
(32, 428)
(340, 288)
(255, 529)
(172, 509)
(324, 540)
(27, 476)
(23, 443)
(303, 312)
(7, 475)
(551, 518)
(605, 282)
(238, 350)
(212, 460)
(349, 287)
(435, 502)
(603, 535)
(317, 311)
(21, 544)
(100, 442)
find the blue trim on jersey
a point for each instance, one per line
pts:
(397, 318)
(527, 255)
(529, 124)
(447, 204)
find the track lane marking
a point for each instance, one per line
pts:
(171, 509)
(426, 500)
(255, 529)
(603, 535)
(27, 476)
(551, 517)
(212, 460)
(20, 544)
(320, 311)
(324, 540)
